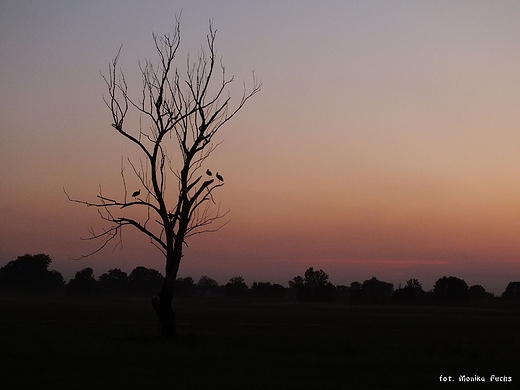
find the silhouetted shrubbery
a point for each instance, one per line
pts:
(313, 286)
(30, 274)
(512, 291)
(377, 291)
(450, 290)
(114, 281)
(83, 284)
(477, 292)
(144, 280)
(266, 290)
(236, 288)
(411, 294)
(185, 287)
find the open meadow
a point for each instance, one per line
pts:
(226, 344)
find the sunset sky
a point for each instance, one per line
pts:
(385, 141)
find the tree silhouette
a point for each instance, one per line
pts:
(409, 294)
(145, 280)
(377, 291)
(30, 273)
(185, 287)
(236, 288)
(183, 113)
(450, 290)
(83, 282)
(206, 282)
(314, 285)
(268, 290)
(478, 292)
(512, 291)
(113, 281)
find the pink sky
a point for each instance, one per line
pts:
(385, 141)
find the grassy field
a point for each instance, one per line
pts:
(113, 344)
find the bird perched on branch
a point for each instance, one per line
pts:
(220, 178)
(208, 172)
(136, 193)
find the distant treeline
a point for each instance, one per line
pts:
(30, 274)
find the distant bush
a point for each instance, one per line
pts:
(411, 294)
(185, 287)
(83, 283)
(236, 288)
(205, 282)
(114, 281)
(377, 291)
(512, 291)
(144, 280)
(477, 292)
(266, 290)
(313, 286)
(450, 290)
(30, 274)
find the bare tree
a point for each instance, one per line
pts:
(184, 113)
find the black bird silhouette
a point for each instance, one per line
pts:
(136, 193)
(208, 172)
(219, 177)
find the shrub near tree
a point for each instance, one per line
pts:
(370, 291)
(266, 290)
(355, 293)
(185, 287)
(113, 282)
(377, 291)
(512, 291)
(410, 294)
(144, 280)
(450, 290)
(313, 286)
(30, 274)
(83, 284)
(236, 288)
(207, 283)
(477, 292)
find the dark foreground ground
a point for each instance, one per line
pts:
(113, 344)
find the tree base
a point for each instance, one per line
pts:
(165, 317)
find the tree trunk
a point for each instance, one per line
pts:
(163, 305)
(164, 311)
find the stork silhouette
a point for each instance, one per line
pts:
(208, 172)
(136, 193)
(220, 178)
